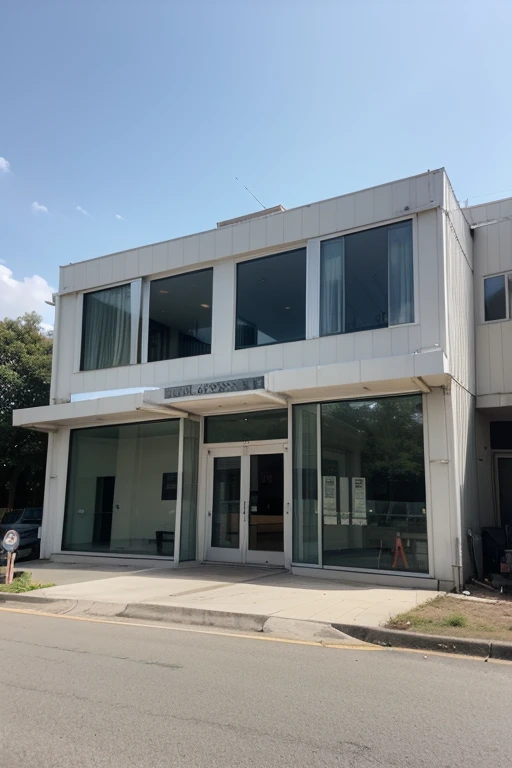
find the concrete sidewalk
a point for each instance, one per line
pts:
(201, 593)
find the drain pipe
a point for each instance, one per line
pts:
(457, 569)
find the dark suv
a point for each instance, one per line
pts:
(27, 522)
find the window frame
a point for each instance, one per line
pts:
(507, 276)
(317, 256)
(146, 297)
(135, 324)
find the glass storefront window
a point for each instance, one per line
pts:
(240, 427)
(305, 484)
(372, 483)
(122, 489)
(189, 490)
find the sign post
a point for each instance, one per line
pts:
(10, 544)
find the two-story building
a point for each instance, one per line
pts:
(295, 388)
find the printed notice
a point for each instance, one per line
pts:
(329, 495)
(359, 501)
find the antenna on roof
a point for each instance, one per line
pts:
(249, 191)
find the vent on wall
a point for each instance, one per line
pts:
(248, 216)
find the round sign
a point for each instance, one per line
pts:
(11, 541)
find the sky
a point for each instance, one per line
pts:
(127, 122)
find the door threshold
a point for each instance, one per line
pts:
(259, 566)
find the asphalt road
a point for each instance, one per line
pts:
(77, 693)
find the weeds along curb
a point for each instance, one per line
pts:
(395, 638)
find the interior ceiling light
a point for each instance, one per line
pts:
(287, 307)
(205, 306)
(164, 291)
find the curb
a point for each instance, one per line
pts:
(245, 622)
(8, 597)
(316, 631)
(395, 638)
(293, 629)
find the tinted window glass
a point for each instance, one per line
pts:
(180, 316)
(494, 295)
(271, 299)
(501, 435)
(366, 280)
(106, 328)
(238, 427)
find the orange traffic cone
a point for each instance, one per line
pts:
(399, 552)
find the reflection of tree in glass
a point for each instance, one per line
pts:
(391, 438)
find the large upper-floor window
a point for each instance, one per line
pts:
(498, 297)
(110, 327)
(366, 280)
(180, 316)
(271, 299)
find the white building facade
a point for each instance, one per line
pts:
(295, 388)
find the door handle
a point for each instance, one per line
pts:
(244, 509)
(209, 514)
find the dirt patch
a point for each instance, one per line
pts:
(455, 617)
(490, 594)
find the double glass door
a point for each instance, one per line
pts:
(246, 505)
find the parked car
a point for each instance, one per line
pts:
(28, 523)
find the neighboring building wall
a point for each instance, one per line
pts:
(493, 255)
(484, 471)
(269, 234)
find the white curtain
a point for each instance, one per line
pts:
(331, 287)
(106, 328)
(401, 280)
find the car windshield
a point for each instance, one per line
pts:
(32, 515)
(11, 517)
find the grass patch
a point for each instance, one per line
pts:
(452, 616)
(23, 583)
(455, 620)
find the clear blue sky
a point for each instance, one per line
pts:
(148, 109)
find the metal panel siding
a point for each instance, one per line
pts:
(329, 217)
(465, 468)
(493, 254)
(460, 311)
(326, 217)
(496, 358)
(65, 347)
(429, 278)
(443, 514)
(484, 470)
(483, 360)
